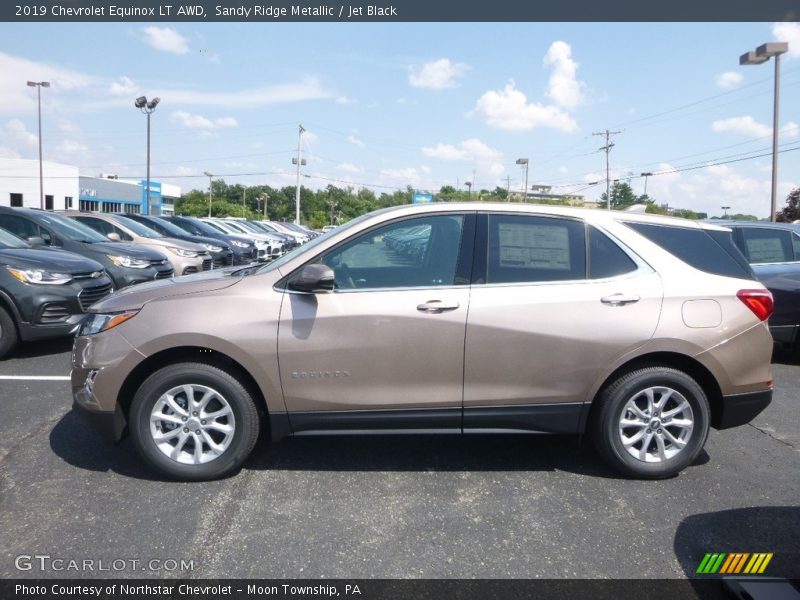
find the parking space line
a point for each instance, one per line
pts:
(36, 377)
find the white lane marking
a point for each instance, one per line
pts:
(36, 377)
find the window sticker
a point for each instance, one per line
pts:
(534, 246)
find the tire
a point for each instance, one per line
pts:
(8, 333)
(233, 431)
(626, 430)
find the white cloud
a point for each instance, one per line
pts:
(124, 86)
(791, 130)
(349, 168)
(165, 39)
(72, 147)
(745, 125)
(728, 80)
(788, 32)
(563, 88)
(8, 153)
(16, 131)
(508, 109)
(185, 171)
(407, 176)
(345, 100)
(472, 151)
(356, 141)
(437, 75)
(15, 71)
(308, 88)
(191, 121)
(563, 169)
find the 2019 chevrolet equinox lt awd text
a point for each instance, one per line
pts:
(641, 331)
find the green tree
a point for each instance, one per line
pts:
(501, 192)
(622, 196)
(791, 212)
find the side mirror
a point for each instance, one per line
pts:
(36, 241)
(314, 278)
(114, 237)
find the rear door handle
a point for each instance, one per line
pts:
(620, 299)
(436, 306)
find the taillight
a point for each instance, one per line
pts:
(759, 301)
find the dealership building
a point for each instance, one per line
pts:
(64, 189)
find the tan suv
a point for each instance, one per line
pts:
(185, 257)
(641, 331)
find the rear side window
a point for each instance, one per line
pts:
(764, 245)
(695, 247)
(796, 245)
(525, 249)
(606, 258)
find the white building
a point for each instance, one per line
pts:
(19, 184)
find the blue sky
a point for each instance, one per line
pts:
(388, 105)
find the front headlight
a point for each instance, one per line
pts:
(129, 261)
(239, 244)
(39, 276)
(183, 253)
(95, 323)
(212, 248)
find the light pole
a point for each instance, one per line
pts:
(725, 209)
(209, 175)
(646, 175)
(299, 161)
(147, 108)
(761, 55)
(469, 189)
(524, 161)
(39, 85)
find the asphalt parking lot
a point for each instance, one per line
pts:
(404, 506)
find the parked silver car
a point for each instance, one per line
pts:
(641, 331)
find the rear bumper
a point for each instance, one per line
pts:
(739, 409)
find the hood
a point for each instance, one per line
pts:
(58, 261)
(203, 239)
(133, 298)
(126, 249)
(183, 244)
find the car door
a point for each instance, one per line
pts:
(774, 255)
(544, 321)
(387, 345)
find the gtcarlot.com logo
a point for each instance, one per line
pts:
(734, 563)
(45, 562)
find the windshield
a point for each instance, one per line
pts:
(138, 228)
(9, 240)
(72, 229)
(163, 227)
(215, 226)
(233, 227)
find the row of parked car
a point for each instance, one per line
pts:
(54, 265)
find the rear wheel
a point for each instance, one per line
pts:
(8, 333)
(651, 423)
(193, 421)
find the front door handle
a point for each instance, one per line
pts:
(620, 299)
(437, 306)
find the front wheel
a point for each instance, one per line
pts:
(651, 423)
(8, 333)
(193, 421)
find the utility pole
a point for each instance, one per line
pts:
(266, 198)
(39, 85)
(298, 161)
(244, 202)
(508, 188)
(607, 148)
(209, 175)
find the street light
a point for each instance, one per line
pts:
(646, 175)
(469, 189)
(39, 85)
(761, 55)
(725, 209)
(147, 108)
(209, 175)
(524, 161)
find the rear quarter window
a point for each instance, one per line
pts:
(696, 247)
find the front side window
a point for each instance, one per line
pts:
(531, 249)
(419, 252)
(765, 245)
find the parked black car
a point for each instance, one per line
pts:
(244, 250)
(220, 251)
(44, 293)
(126, 264)
(773, 251)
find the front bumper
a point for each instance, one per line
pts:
(32, 332)
(740, 409)
(110, 425)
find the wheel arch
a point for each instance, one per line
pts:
(203, 355)
(691, 366)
